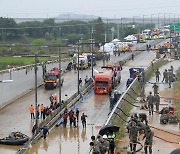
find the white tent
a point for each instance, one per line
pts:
(130, 38)
(115, 41)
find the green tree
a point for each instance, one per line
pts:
(99, 30)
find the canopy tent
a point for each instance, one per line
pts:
(130, 38)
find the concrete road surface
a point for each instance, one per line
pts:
(15, 117)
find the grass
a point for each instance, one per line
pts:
(177, 91)
(19, 61)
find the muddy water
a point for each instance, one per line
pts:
(71, 139)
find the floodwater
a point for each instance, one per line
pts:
(61, 140)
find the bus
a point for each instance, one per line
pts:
(104, 80)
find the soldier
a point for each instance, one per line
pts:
(165, 76)
(150, 100)
(149, 139)
(157, 101)
(170, 78)
(133, 133)
(155, 87)
(94, 149)
(157, 74)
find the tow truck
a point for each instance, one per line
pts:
(51, 79)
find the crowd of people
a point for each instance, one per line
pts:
(168, 76)
(73, 118)
(137, 127)
(103, 144)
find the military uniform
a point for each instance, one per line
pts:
(157, 74)
(150, 100)
(157, 101)
(165, 76)
(133, 133)
(170, 78)
(155, 87)
(148, 142)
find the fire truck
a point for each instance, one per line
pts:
(51, 79)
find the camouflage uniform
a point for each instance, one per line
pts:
(155, 87)
(157, 74)
(157, 101)
(133, 133)
(150, 100)
(165, 76)
(148, 142)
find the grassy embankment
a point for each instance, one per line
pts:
(126, 107)
(19, 61)
(177, 94)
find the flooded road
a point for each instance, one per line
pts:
(15, 117)
(96, 107)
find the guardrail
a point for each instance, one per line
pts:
(125, 94)
(30, 66)
(51, 119)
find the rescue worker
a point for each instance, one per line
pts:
(170, 78)
(45, 131)
(133, 134)
(157, 74)
(155, 88)
(51, 98)
(83, 119)
(94, 149)
(104, 144)
(148, 141)
(157, 101)
(96, 142)
(74, 119)
(31, 110)
(111, 136)
(165, 76)
(77, 114)
(42, 110)
(172, 69)
(65, 116)
(71, 117)
(55, 99)
(150, 100)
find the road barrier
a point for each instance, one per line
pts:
(56, 114)
(125, 96)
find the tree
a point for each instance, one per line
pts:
(99, 30)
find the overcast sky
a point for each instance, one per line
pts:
(103, 8)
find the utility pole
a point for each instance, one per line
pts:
(78, 68)
(92, 51)
(36, 114)
(60, 76)
(117, 30)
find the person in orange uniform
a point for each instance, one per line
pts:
(31, 110)
(42, 110)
